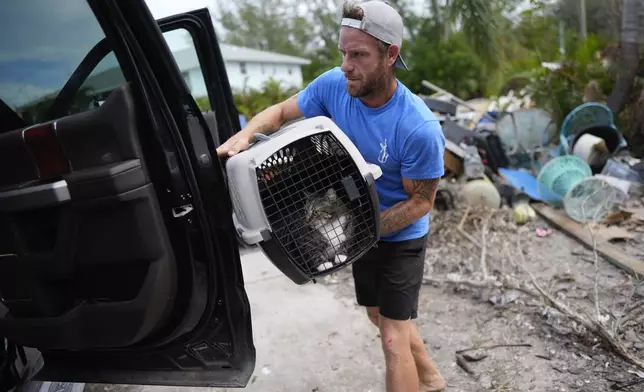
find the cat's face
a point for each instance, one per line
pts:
(322, 208)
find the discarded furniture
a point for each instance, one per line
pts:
(442, 107)
(487, 142)
(526, 135)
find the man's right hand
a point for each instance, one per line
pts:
(236, 144)
(266, 122)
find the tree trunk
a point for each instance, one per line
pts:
(447, 23)
(632, 25)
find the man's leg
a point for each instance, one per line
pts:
(430, 378)
(400, 281)
(402, 375)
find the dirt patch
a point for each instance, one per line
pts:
(563, 355)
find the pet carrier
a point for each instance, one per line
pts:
(307, 197)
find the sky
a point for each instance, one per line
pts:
(163, 8)
(46, 44)
(37, 61)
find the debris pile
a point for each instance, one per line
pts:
(514, 179)
(581, 174)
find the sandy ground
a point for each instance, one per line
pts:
(455, 317)
(314, 338)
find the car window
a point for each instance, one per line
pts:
(42, 45)
(104, 78)
(183, 49)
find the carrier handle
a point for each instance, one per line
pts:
(374, 170)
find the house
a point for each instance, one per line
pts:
(246, 68)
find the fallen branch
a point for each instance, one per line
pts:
(593, 236)
(460, 361)
(621, 386)
(507, 283)
(462, 231)
(492, 346)
(484, 269)
(630, 311)
(591, 325)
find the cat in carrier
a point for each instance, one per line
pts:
(329, 224)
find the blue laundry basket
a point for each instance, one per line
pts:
(583, 118)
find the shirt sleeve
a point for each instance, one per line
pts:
(423, 152)
(315, 99)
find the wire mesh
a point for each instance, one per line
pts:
(592, 200)
(318, 225)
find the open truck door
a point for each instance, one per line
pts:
(119, 261)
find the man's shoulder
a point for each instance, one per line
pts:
(415, 108)
(418, 118)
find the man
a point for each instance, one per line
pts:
(392, 128)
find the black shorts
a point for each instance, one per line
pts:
(389, 276)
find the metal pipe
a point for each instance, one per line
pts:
(454, 98)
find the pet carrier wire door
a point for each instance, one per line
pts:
(307, 197)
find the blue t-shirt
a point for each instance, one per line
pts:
(403, 137)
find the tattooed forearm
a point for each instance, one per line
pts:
(395, 218)
(425, 189)
(420, 202)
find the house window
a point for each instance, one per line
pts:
(242, 67)
(290, 70)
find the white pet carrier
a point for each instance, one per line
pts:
(307, 197)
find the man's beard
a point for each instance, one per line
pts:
(371, 85)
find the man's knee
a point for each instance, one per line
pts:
(374, 315)
(394, 335)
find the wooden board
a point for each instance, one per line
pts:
(453, 164)
(581, 234)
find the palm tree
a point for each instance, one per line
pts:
(479, 20)
(632, 33)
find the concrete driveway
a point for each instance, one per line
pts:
(307, 338)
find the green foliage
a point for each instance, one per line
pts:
(561, 90)
(603, 17)
(450, 64)
(468, 47)
(272, 25)
(252, 101)
(480, 22)
(203, 103)
(538, 34)
(320, 63)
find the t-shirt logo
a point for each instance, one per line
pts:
(384, 155)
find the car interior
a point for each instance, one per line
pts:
(88, 246)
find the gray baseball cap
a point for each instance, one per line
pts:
(382, 22)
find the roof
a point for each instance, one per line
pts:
(239, 53)
(187, 58)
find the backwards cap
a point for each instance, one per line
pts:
(382, 22)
